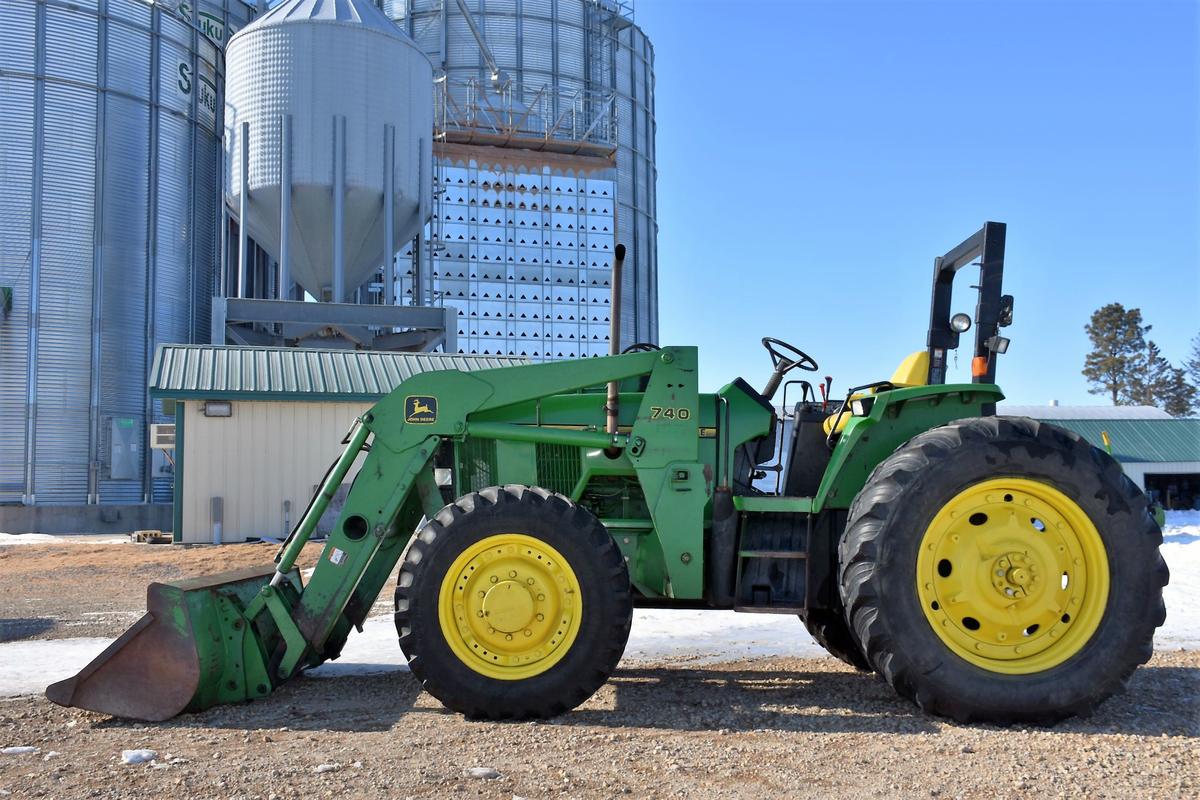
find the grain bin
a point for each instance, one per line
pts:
(347, 78)
(109, 199)
(586, 72)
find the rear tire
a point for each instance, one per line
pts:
(956, 670)
(513, 603)
(830, 630)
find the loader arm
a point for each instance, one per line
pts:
(395, 486)
(237, 636)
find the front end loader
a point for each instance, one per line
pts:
(987, 567)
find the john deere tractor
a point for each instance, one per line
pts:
(987, 567)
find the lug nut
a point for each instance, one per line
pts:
(512, 573)
(528, 632)
(508, 637)
(494, 579)
(540, 617)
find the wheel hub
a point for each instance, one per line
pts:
(1012, 575)
(510, 606)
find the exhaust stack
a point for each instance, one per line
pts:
(612, 404)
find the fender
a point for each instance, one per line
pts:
(895, 417)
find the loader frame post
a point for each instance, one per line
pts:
(308, 523)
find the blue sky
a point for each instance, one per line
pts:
(815, 156)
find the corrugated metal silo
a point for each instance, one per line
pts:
(331, 65)
(109, 198)
(578, 66)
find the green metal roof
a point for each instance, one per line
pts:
(291, 373)
(1154, 440)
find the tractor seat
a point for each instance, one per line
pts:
(913, 371)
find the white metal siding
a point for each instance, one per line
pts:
(267, 452)
(1137, 471)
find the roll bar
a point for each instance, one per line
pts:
(992, 311)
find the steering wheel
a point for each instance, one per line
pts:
(641, 347)
(789, 356)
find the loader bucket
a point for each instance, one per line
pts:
(191, 650)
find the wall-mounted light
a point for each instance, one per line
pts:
(218, 408)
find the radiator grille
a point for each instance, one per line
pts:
(478, 464)
(558, 467)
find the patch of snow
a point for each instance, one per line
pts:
(28, 667)
(486, 773)
(1181, 550)
(1182, 596)
(138, 756)
(25, 538)
(8, 539)
(19, 751)
(371, 652)
(50, 755)
(712, 636)
(323, 768)
(1183, 527)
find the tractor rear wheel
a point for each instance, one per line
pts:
(513, 603)
(1002, 570)
(830, 630)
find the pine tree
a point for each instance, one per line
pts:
(1154, 381)
(1192, 365)
(1173, 393)
(1118, 349)
(1147, 370)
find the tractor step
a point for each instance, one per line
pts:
(772, 564)
(771, 554)
(776, 609)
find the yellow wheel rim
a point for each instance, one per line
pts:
(1013, 576)
(510, 606)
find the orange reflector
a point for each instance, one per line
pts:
(978, 366)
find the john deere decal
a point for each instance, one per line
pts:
(420, 409)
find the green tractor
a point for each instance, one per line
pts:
(987, 567)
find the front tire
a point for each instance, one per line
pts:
(513, 603)
(1002, 570)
